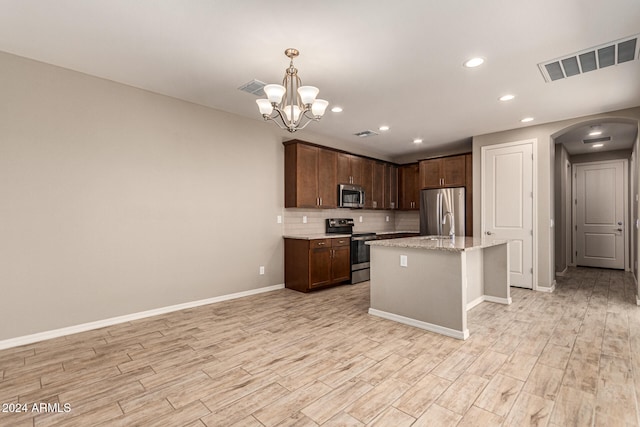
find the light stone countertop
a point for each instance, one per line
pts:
(313, 236)
(458, 244)
(317, 236)
(380, 233)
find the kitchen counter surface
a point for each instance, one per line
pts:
(382, 233)
(317, 236)
(330, 236)
(458, 244)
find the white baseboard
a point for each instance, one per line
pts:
(475, 302)
(488, 298)
(505, 301)
(41, 336)
(563, 272)
(461, 335)
(547, 288)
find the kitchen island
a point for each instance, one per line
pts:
(430, 282)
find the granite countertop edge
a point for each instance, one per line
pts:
(459, 244)
(314, 236)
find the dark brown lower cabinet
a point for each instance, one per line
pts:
(311, 264)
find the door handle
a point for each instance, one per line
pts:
(619, 229)
(489, 233)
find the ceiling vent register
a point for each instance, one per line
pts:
(254, 87)
(596, 140)
(595, 58)
(366, 133)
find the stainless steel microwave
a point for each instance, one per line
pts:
(350, 196)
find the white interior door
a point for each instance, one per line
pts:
(600, 214)
(507, 204)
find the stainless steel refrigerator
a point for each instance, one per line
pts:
(440, 210)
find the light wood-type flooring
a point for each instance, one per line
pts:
(567, 358)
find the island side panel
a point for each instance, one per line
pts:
(429, 289)
(475, 288)
(496, 274)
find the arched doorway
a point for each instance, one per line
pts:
(591, 142)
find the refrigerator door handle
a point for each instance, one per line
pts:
(439, 213)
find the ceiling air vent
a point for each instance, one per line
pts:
(594, 140)
(606, 55)
(254, 87)
(366, 133)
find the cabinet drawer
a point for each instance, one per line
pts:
(341, 241)
(319, 243)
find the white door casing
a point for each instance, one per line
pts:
(507, 204)
(600, 190)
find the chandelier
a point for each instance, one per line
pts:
(291, 105)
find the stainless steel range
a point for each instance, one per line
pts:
(360, 252)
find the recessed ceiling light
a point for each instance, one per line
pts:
(474, 62)
(527, 119)
(337, 109)
(383, 128)
(507, 97)
(597, 145)
(595, 133)
(417, 141)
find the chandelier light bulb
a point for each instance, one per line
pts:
(296, 113)
(265, 106)
(308, 94)
(275, 93)
(318, 107)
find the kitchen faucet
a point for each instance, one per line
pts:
(452, 229)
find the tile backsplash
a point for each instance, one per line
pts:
(371, 220)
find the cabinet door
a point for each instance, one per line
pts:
(319, 267)
(430, 173)
(453, 171)
(301, 176)
(341, 264)
(377, 191)
(367, 182)
(327, 181)
(409, 192)
(356, 169)
(390, 187)
(344, 169)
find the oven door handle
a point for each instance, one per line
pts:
(359, 239)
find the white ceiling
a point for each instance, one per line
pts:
(393, 63)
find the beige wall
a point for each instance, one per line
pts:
(115, 200)
(544, 135)
(562, 185)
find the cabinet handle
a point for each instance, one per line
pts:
(320, 201)
(320, 243)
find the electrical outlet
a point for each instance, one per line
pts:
(304, 219)
(360, 219)
(261, 270)
(387, 218)
(279, 219)
(403, 260)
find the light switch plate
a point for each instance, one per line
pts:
(387, 218)
(360, 219)
(403, 260)
(279, 219)
(261, 269)
(304, 219)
